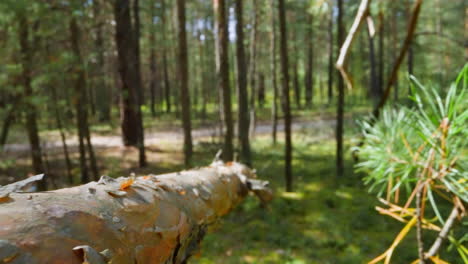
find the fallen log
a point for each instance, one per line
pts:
(149, 219)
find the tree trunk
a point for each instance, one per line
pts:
(395, 47)
(7, 123)
(222, 65)
(373, 86)
(152, 63)
(242, 92)
(102, 90)
(381, 55)
(253, 70)
(31, 117)
(127, 69)
(204, 84)
(340, 104)
(285, 95)
(128, 54)
(295, 66)
(80, 105)
(331, 67)
(261, 90)
(138, 84)
(58, 120)
(410, 53)
(183, 77)
(151, 219)
(274, 108)
(309, 77)
(167, 84)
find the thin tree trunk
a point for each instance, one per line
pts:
(102, 90)
(330, 58)
(167, 84)
(204, 84)
(401, 56)
(309, 81)
(253, 70)
(222, 65)
(340, 103)
(285, 95)
(373, 85)
(381, 53)
(183, 76)
(31, 117)
(242, 92)
(274, 107)
(153, 64)
(295, 66)
(7, 123)
(58, 120)
(81, 102)
(395, 47)
(136, 38)
(138, 84)
(410, 53)
(261, 90)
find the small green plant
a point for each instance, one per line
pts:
(419, 154)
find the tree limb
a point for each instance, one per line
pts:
(404, 49)
(344, 51)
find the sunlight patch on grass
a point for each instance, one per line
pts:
(293, 195)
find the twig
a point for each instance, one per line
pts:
(419, 235)
(443, 233)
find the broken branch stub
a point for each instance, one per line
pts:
(151, 219)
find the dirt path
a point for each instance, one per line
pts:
(172, 136)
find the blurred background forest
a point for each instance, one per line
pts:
(94, 87)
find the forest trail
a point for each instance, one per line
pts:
(173, 136)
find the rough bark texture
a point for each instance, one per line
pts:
(151, 219)
(128, 73)
(242, 97)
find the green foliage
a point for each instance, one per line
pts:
(392, 143)
(422, 149)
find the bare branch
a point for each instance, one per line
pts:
(443, 233)
(344, 51)
(404, 49)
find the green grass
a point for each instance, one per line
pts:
(326, 220)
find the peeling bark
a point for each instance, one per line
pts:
(150, 219)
